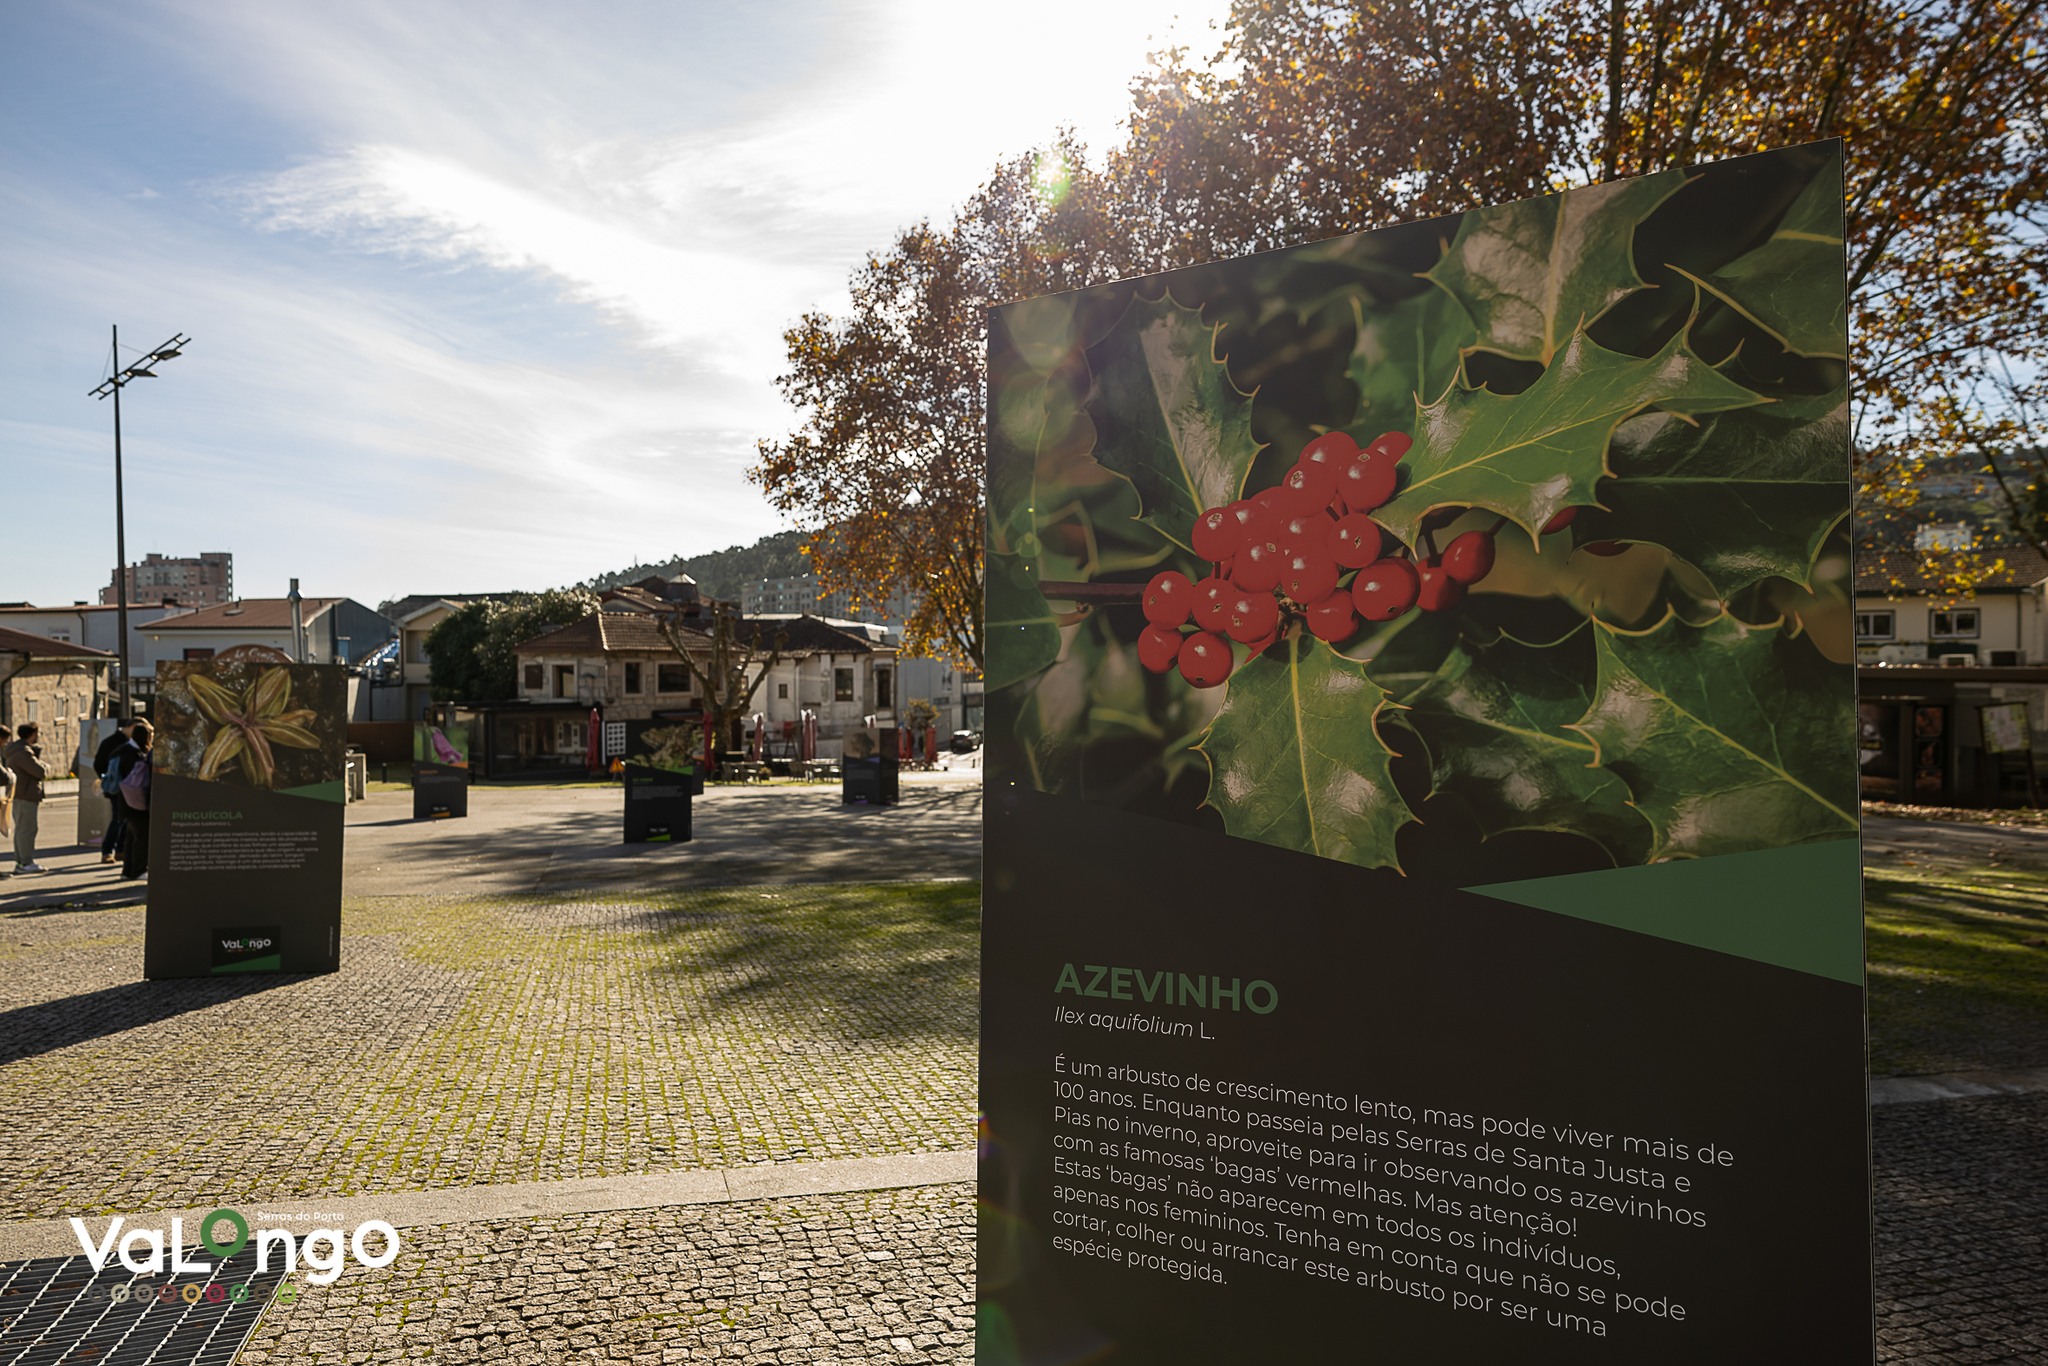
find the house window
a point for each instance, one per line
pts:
(198, 652)
(632, 676)
(1874, 626)
(885, 689)
(535, 679)
(782, 692)
(842, 685)
(63, 635)
(565, 680)
(671, 678)
(1952, 623)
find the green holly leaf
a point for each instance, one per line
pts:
(1527, 455)
(1038, 435)
(1533, 273)
(1741, 496)
(1795, 286)
(1167, 417)
(1023, 632)
(1404, 356)
(1731, 737)
(1296, 759)
(1493, 719)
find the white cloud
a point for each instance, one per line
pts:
(500, 300)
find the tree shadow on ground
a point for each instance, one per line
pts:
(1958, 978)
(32, 1030)
(890, 963)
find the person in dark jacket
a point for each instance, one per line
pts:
(103, 763)
(25, 758)
(6, 793)
(135, 858)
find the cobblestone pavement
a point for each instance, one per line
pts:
(498, 1039)
(1962, 1230)
(884, 1277)
(624, 1017)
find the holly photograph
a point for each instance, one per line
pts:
(1501, 545)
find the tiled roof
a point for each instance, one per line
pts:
(249, 614)
(623, 632)
(1901, 570)
(42, 647)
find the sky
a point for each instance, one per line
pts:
(481, 296)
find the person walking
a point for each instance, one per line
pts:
(25, 758)
(103, 764)
(135, 858)
(6, 794)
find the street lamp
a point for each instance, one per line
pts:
(170, 350)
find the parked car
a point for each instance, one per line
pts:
(965, 742)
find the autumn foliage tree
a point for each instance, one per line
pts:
(1314, 119)
(1329, 119)
(886, 470)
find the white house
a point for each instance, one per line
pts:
(617, 661)
(1912, 622)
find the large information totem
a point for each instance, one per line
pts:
(1423, 917)
(245, 818)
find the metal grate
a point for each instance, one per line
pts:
(58, 1310)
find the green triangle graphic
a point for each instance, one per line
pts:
(331, 791)
(1800, 907)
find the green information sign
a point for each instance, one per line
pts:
(1423, 914)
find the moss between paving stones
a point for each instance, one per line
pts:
(478, 1041)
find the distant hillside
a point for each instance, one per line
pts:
(720, 573)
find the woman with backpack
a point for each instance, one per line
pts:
(134, 766)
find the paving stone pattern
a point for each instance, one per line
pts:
(504, 1039)
(1962, 1230)
(880, 1277)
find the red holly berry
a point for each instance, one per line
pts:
(1308, 575)
(1559, 520)
(1218, 533)
(1436, 590)
(1334, 618)
(1604, 549)
(1368, 482)
(1169, 599)
(1158, 648)
(1250, 616)
(1395, 444)
(1331, 448)
(1469, 558)
(1384, 589)
(1313, 531)
(1258, 568)
(1205, 659)
(1308, 487)
(1212, 600)
(1357, 541)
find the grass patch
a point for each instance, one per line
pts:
(1958, 962)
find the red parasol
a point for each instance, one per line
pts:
(593, 747)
